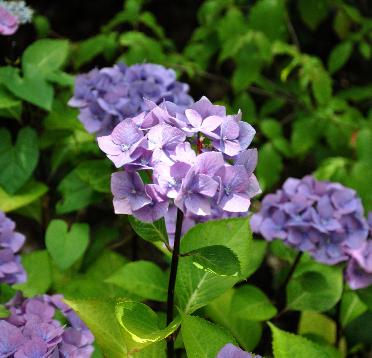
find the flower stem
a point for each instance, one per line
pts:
(281, 292)
(172, 280)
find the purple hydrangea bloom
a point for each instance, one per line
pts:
(231, 351)
(31, 331)
(322, 218)
(108, 96)
(11, 270)
(8, 22)
(359, 269)
(183, 155)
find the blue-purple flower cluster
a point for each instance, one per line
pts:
(32, 330)
(359, 268)
(231, 351)
(106, 97)
(11, 270)
(322, 218)
(12, 14)
(195, 158)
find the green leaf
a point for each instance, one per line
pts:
(314, 323)
(313, 12)
(25, 196)
(202, 338)
(365, 295)
(263, 10)
(216, 259)
(100, 317)
(39, 273)
(247, 333)
(351, 307)
(31, 89)
(322, 86)
(96, 173)
(43, 57)
(287, 345)
(257, 249)
(271, 128)
(364, 145)
(4, 313)
(66, 247)
(269, 166)
(19, 161)
(314, 287)
(305, 134)
(251, 303)
(143, 278)
(333, 169)
(248, 66)
(195, 288)
(214, 233)
(339, 56)
(76, 194)
(10, 106)
(151, 232)
(141, 325)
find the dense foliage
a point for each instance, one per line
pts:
(179, 110)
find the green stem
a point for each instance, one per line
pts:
(172, 280)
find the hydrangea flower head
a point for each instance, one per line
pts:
(108, 96)
(11, 270)
(184, 157)
(12, 14)
(32, 331)
(322, 218)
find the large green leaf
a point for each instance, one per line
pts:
(26, 195)
(339, 56)
(251, 303)
(31, 89)
(43, 57)
(216, 259)
(314, 287)
(287, 345)
(142, 278)
(141, 325)
(10, 106)
(221, 311)
(269, 166)
(151, 232)
(100, 317)
(313, 12)
(19, 161)
(268, 16)
(351, 307)
(66, 247)
(202, 338)
(39, 273)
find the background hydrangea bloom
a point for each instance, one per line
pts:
(325, 219)
(11, 270)
(12, 14)
(32, 331)
(196, 175)
(231, 351)
(106, 97)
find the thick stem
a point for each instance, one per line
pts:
(281, 292)
(172, 280)
(292, 270)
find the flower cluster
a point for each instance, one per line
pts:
(196, 159)
(12, 14)
(32, 330)
(11, 270)
(322, 218)
(325, 219)
(106, 97)
(231, 351)
(359, 268)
